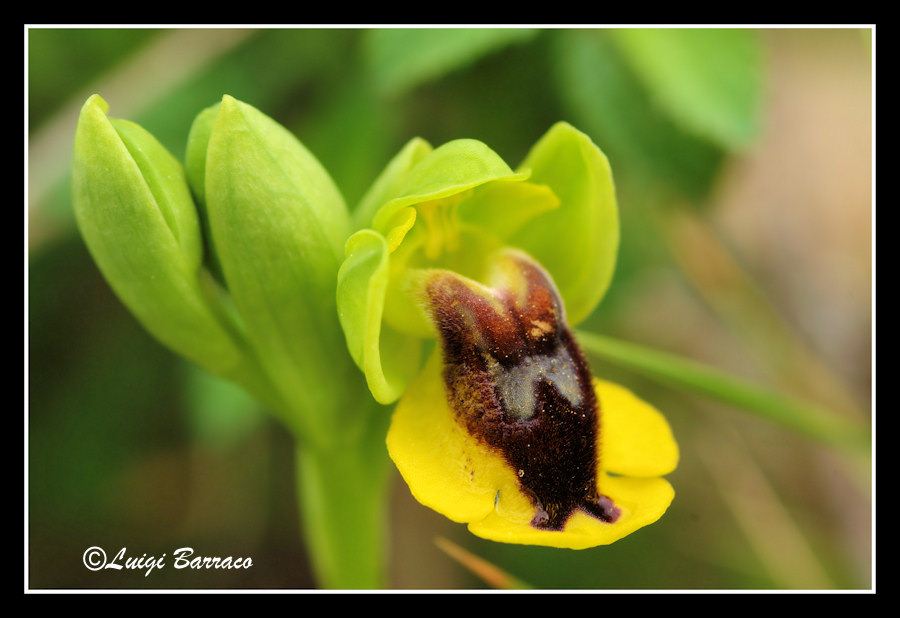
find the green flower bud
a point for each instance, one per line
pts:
(136, 215)
(278, 226)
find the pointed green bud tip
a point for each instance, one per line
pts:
(137, 217)
(144, 176)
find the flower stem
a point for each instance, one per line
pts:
(342, 493)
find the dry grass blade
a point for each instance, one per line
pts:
(489, 573)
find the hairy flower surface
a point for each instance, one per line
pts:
(480, 269)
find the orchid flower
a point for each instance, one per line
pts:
(456, 299)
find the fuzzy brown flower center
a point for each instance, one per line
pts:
(518, 382)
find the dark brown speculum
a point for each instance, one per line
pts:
(518, 382)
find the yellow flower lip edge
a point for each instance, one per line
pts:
(449, 472)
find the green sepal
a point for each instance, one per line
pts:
(135, 213)
(450, 169)
(195, 153)
(166, 180)
(388, 358)
(577, 242)
(195, 167)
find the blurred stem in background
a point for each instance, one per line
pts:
(778, 541)
(49, 144)
(740, 302)
(823, 425)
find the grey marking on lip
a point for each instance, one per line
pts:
(515, 385)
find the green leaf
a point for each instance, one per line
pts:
(400, 59)
(709, 80)
(608, 102)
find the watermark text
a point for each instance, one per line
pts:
(95, 559)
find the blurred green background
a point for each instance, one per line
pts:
(743, 166)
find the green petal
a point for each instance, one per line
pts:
(135, 213)
(578, 242)
(450, 169)
(388, 184)
(279, 225)
(502, 208)
(389, 359)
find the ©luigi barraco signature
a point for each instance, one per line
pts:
(95, 559)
